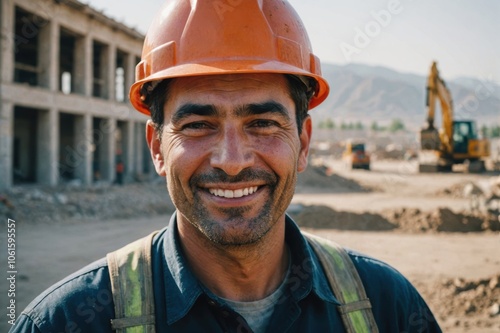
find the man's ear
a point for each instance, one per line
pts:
(305, 140)
(154, 144)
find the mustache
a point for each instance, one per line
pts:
(246, 175)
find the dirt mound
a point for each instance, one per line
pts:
(469, 303)
(323, 217)
(36, 205)
(455, 191)
(402, 219)
(442, 219)
(322, 179)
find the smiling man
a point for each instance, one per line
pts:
(228, 86)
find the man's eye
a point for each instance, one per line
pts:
(264, 123)
(196, 126)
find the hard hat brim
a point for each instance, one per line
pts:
(222, 68)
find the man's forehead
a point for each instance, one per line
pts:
(232, 88)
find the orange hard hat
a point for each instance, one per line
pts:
(198, 37)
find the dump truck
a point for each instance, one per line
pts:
(355, 155)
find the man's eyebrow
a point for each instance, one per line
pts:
(187, 110)
(261, 108)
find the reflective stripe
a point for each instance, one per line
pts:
(355, 309)
(132, 286)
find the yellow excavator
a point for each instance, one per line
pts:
(456, 142)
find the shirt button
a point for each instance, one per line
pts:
(211, 303)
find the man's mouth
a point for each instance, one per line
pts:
(233, 193)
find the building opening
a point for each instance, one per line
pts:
(67, 65)
(27, 55)
(120, 75)
(69, 156)
(103, 133)
(25, 145)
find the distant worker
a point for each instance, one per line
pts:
(120, 169)
(228, 86)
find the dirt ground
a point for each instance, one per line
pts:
(419, 223)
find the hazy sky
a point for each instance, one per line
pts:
(406, 35)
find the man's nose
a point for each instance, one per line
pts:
(233, 152)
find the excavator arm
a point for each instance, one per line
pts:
(436, 88)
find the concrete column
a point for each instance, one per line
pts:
(49, 56)
(8, 42)
(139, 152)
(83, 144)
(110, 87)
(6, 143)
(83, 66)
(47, 172)
(108, 149)
(129, 73)
(128, 150)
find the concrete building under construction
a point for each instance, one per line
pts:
(64, 110)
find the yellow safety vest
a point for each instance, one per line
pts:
(132, 286)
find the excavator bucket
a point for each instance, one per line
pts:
(429, 139)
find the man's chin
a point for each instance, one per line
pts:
(236, 231)
(236, 239)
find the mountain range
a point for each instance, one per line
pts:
(379, 94)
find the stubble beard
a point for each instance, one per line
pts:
(233, 228)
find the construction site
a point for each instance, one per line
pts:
(65, 116)
(75, 166)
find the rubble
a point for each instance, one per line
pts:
(46, 205)
(474, 301)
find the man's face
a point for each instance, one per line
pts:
(230, 151)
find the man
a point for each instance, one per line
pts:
(228, 85)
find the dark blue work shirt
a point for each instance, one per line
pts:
(83, 302)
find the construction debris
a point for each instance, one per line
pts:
(48, 205)
(474, 302)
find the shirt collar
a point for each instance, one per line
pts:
(307, 273)
(183, 288)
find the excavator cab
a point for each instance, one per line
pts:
(463, 132)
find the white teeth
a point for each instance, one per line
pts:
(233, 194)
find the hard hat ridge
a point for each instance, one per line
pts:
(191, 38)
